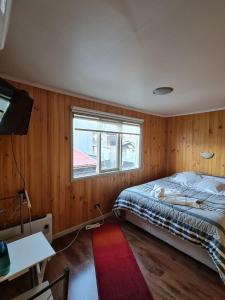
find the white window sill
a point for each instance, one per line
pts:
(105, 173)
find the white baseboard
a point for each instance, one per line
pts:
(74, 228)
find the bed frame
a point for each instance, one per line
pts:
(186, 247)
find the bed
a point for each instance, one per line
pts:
(199, 232)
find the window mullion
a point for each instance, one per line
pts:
(120, 152)
(99, 153)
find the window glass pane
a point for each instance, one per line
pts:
(89, 123)
(130, 151)
(131, 128)
(84, 153)
(109, 151)
(86, 123)
(119, 127)
(110, 126)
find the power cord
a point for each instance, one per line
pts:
(80, 229)
(24, 182)
(30, 219)
(100, 211)
(16, 164)
(71, 243)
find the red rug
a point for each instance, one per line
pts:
(117, 272)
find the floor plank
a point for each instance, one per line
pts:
(169, 273)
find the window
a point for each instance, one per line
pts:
(104, 143)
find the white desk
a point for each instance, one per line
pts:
(33, 250)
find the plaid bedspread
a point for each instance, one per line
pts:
(204, 226)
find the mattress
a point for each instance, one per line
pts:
(204, 227)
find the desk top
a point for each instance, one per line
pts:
(27, 252)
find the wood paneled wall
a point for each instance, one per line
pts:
(44, 158)
(191, 134)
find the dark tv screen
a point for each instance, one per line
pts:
(15, 109)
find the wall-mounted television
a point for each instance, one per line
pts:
(15, 109)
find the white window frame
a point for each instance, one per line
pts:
(112, 117)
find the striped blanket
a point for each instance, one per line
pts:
(204, 226)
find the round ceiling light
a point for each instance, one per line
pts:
(164, 90)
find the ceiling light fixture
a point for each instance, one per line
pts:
(164, 90)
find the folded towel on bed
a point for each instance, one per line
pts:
(173, 197)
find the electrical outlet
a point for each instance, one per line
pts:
(97, 205)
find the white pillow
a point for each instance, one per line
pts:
(210, 185)
(187, 178)
(219, 179)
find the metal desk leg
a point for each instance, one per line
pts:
(33, 276)
(41, 271)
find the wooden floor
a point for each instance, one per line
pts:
(169, 273)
